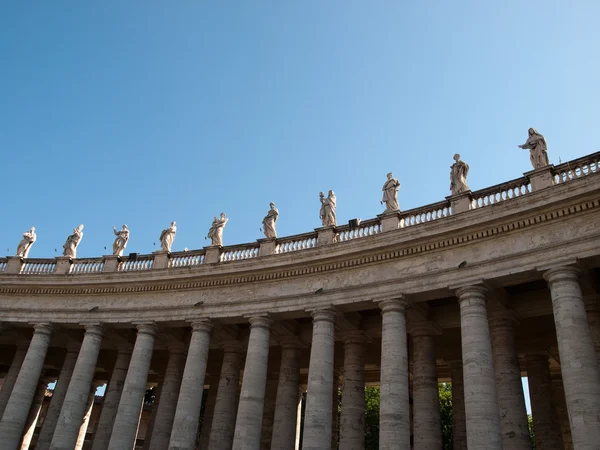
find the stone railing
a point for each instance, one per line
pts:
(297, 242)
(532, 181)
(365, 228)
(187, 259)
(133, 264)
(38, 266)
(500, 192)
(577, 168)
(91, 265)
(239, 252)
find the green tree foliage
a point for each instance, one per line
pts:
(531, 433)
(371, 418)
(445, 393)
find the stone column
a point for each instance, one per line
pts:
(21, 398)
(352, 418)
(34, 413)
(286, 405)
(562, 415)
(511, 400)
(545, 423)
(427, 427)
(394, 407)
(459, 422)
(81, 435)
(112, 396)
(269, 411)
(481, 399)
(209, 410)
(335, 410)
(592, 308)
(75, 403)
(154, 410)
(187, 415)
(252, 396)
(578, 363)
(319, 397)
(58, 397)
(169, 393)
(223, 427)
(126, 422)
(11, 377)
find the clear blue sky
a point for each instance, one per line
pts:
(141, 113)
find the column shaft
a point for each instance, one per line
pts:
(209, 410)
(545, 423)
(251, 406)
(427, 428)
(126, 422)
(578, 363)
(187, 415)
(81, 435)
(74, 405)
(592, 309)
(112, 396)
(17, 409)
(319, 400)
(511, 400)
(266, 434)
(11, 377)
(481, 399)
(352, 417)
(335, 410)
(58, 397)
(169, 393)
(459, 422)
(154, 411)
(394, 409)
(286, 405)
(34, 413)
(562, 415)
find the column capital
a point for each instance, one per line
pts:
(176, 348)
(232, 346)
(397, 304)
(477, 291)
(203, 324)
(93, 328)
(325, 314)
(290, 342)
(504, 318)
(43, 328)
(146, 328)
(424, 328)
(260, 321)
(561, 273)
(353, 337)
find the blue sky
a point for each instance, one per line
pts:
(146, 112)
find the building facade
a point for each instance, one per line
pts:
(478, 290)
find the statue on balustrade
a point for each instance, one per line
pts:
(390, 193)
(167, 237)
(122, 236)
(215, 233)
(538, 151)
(458, 176)
(270, 221)
(24, 246)
(70, 247)
(328, 207)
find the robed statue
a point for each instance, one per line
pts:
(24, 246)
(328, 207)
(122, 236)
(215, 233)
(538, 151)
(70, 246)
(390, 193)
(270, 221)
(458, 176)
(167, 237)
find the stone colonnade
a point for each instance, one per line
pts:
(489, 409)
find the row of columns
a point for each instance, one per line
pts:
(494, 412)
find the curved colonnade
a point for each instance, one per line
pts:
(477, 290)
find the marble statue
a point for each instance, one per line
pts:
(458, 176)
(24, 246)
(270, 221)
(70, 247)
(167, 236)
(390, 193)
(538, 152)
(122, 236)
(215, 233)
(328, 207)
